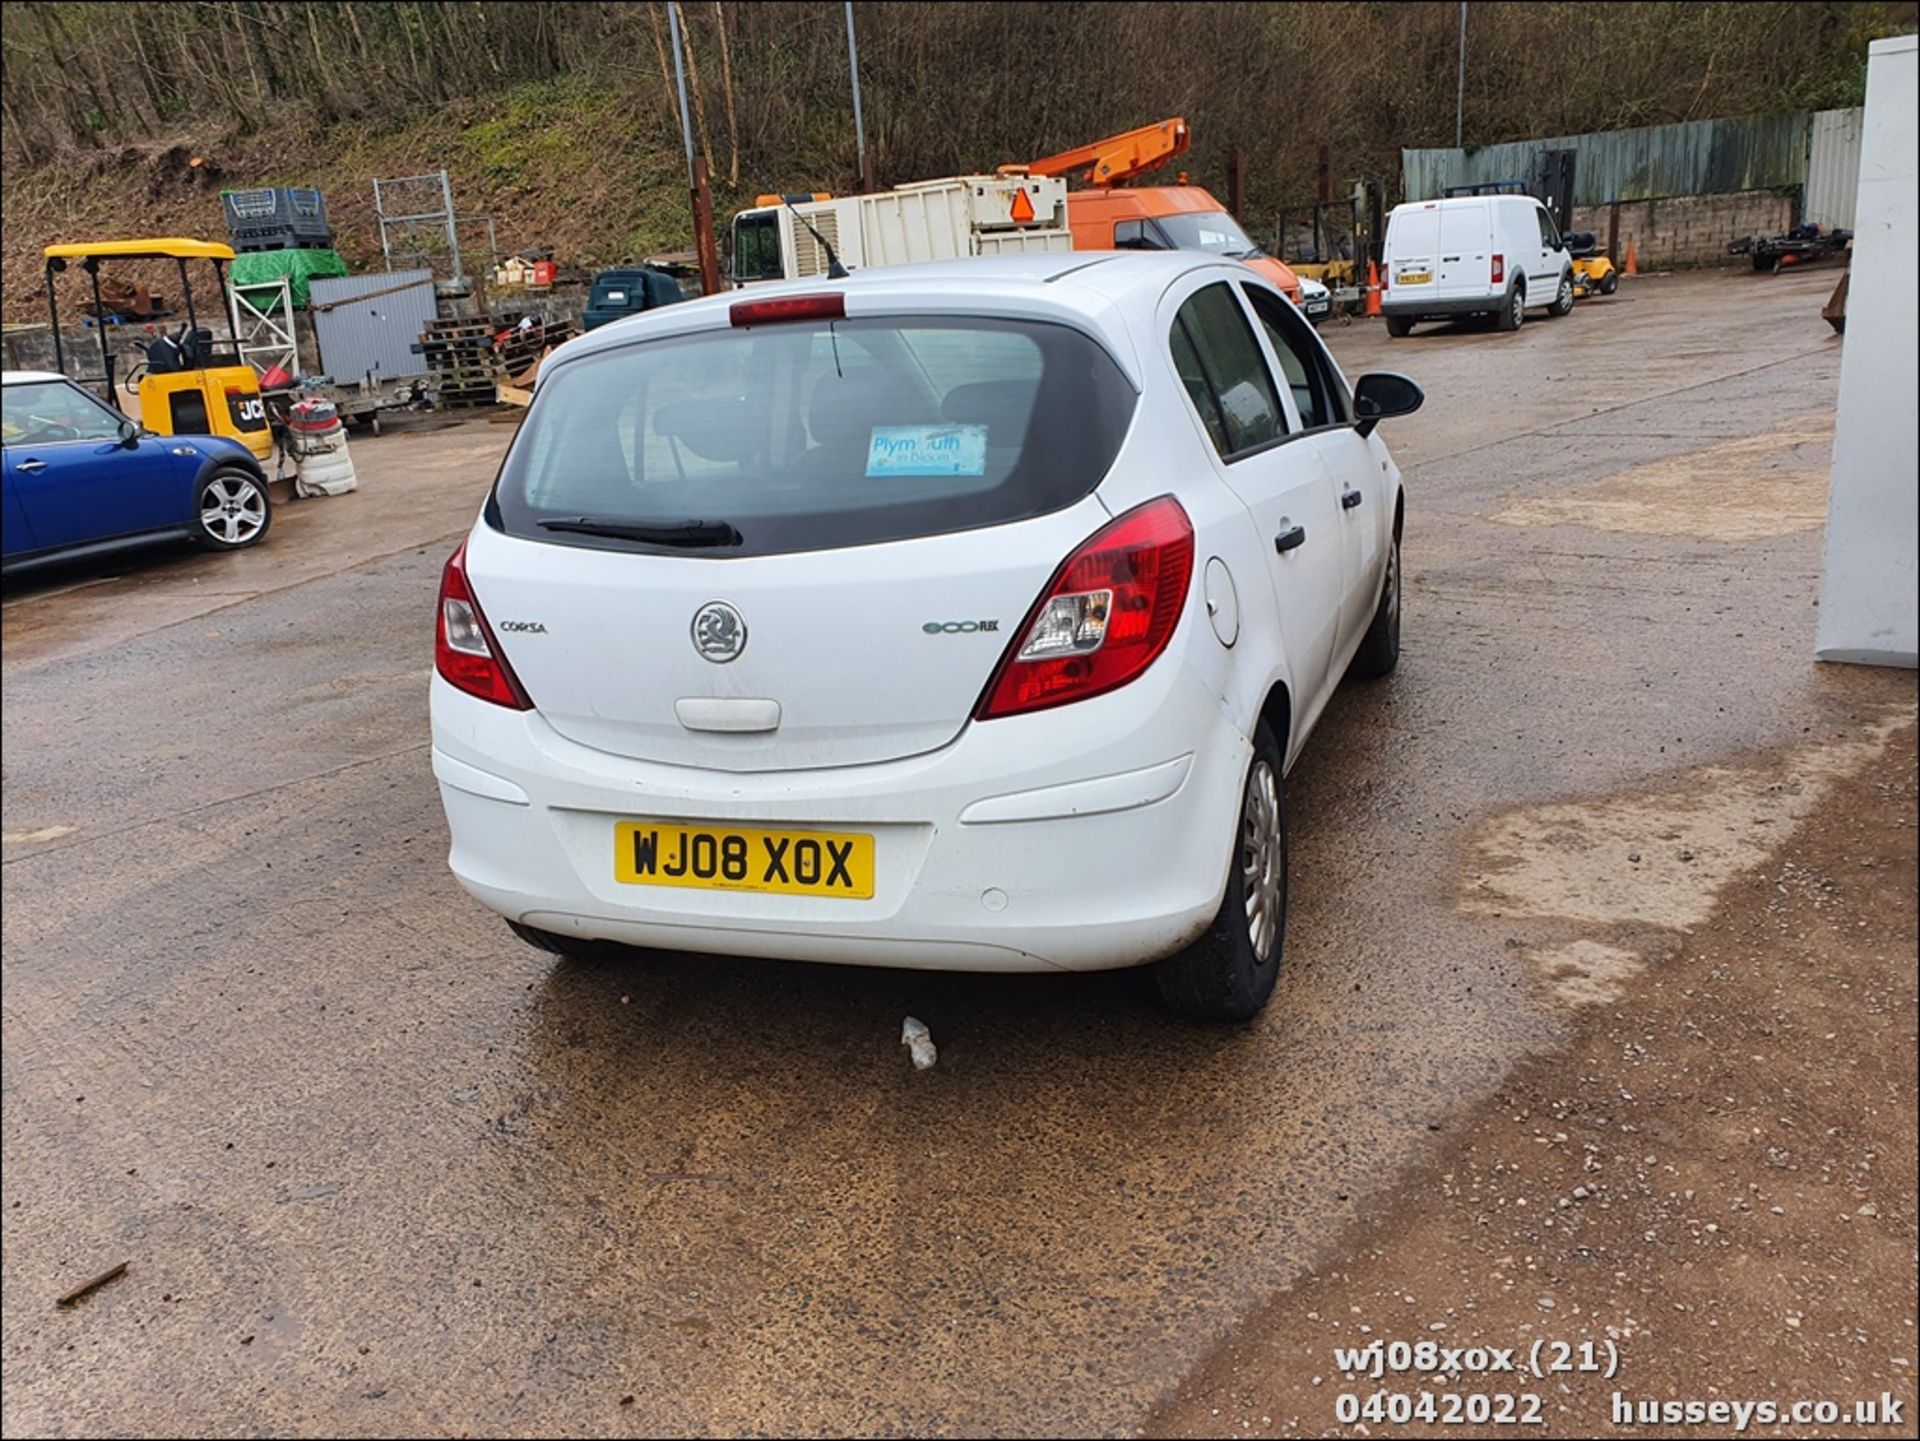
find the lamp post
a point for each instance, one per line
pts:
(1460, 92)
(859, 124)
(696, 170)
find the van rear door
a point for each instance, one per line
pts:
(1465, 267)
(1413, 250)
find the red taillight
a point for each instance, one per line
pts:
(829, 306)
(1499, 268)
(1109, 611)
(464, 651)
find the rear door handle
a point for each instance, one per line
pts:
(1350, 498)
(31, 467)
(1290, 538)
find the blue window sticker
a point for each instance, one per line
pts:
(927, 450)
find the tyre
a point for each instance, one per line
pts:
(1762, 263)
(1563, 299)
(1379, 649)
(1399, 327)
(1513, 313)
(233, 508)
(1229, 972)
(1610, 282)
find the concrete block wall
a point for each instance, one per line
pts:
(1689, 230)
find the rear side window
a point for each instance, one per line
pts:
(811, 436)
(1246, 412)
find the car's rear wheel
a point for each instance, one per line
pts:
(1563, 298)
(1398, 327)
(1229, 972)
(233, 508)
(1379, 649)
(1513, 314)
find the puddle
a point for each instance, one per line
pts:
(1752, 488)
(1587, 973)
(1656, 858)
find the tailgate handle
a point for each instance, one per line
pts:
(737, 715)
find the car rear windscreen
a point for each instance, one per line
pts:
(811, 435)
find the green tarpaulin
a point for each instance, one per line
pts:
(298, 266)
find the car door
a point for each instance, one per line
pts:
(16, 535)
(76, 480)
(1284, 485)
(1326, 420)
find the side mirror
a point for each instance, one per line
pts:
(129, 434)
(1381, 394)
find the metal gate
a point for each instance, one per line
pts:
(366, 325)
(263, 325)
(1833, 166)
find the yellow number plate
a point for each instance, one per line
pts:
(743, 858)
(1413, 277)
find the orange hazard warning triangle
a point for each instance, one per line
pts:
(1022, 210)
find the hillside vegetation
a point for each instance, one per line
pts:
(559, 118)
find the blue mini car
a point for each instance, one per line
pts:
(79, 478)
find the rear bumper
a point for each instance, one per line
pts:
(1074, 839)
(1394, 304)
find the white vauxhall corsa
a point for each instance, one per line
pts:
(962, 615)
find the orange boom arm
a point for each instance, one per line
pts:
(1118, 158)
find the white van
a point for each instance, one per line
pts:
(1473, 255)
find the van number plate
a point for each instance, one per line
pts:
(1413, 277)
(743, 858)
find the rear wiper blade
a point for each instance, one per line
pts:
(672, 532)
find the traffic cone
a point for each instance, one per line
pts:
(1632, 268)
(1373, 288)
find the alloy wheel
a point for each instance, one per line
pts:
(232, 509)
(1262, 859)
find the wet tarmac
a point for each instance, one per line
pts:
(377, 1167)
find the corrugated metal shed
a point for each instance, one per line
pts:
(1833, 166)
(369, 323)
(1700, 157)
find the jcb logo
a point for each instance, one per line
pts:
(958, 627)
(249, 411)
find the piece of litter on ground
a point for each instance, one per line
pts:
(918, 1040)
(87, 1288)
(310, 1193)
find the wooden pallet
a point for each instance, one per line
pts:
(471, 358)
